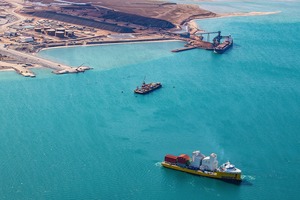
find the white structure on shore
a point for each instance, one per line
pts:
(10, 34)
(26, 39)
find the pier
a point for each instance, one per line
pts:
(193, 44)
(196, 40)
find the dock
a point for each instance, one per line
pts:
(184, 49)
(196, 40)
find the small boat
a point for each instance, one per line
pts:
(221, 48)
(147, 87)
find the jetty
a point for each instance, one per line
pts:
(184, 49)
(196, 40)
(28, 58)
(72, 70)
(24, 71)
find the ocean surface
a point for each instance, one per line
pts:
(87, 136)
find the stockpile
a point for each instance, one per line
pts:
(139, 20)
(82, 21)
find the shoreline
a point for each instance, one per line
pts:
(6, 70)
(67, 69)
(190, 23)
(109, 43)
(246, 14)
(237, 14)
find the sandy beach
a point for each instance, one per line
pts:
(246, 14)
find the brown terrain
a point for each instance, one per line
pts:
(138, 10)
(28, 26)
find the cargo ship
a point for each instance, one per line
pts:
(202, 165)
(222, 47)
(147, 87)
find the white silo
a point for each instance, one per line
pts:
(213, 161)
(196, 159)
(210, 163)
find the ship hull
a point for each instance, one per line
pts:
(138, 91)
(225, 176)
(222, 50)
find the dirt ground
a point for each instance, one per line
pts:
(174, 13)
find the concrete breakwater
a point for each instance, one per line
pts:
(72, 70)
(27, 58)
(24, 71)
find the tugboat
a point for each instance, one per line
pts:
(202, 165)
(147, 87)
(221, 48)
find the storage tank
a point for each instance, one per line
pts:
(60, 30)
(38, 29)
(69, 33)
(50, 32)
(60, 34)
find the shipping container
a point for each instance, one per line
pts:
(183, 159)
(170, 158)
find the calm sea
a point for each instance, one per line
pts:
(87, 136)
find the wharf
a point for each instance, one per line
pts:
(184, 49)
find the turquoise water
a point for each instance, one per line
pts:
(231, 6)
(87, 136)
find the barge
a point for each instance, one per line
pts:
(147, 87)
